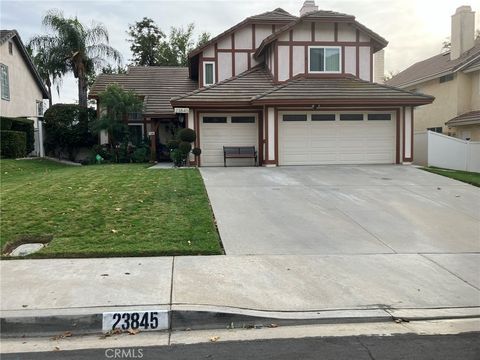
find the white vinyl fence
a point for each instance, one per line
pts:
(433, 149)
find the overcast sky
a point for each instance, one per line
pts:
(415, 29)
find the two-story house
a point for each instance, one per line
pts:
(22, 89)
(453, 77)
(299, 89)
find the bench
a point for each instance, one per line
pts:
(239, 152)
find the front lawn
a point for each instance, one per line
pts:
(106, 210)
(472, 178)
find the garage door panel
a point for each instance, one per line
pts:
(336, 142)
(213, 137)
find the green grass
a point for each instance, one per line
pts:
(472, 178)
(106, 210)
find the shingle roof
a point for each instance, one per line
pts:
(238, 89)
(338, 90)
(256, 87)
(434, 67)
(157, 84)
(470, 118)
(6, 35)
(277, 16)
(322, 15)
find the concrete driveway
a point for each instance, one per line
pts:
(321, 210)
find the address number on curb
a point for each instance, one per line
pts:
(135, 320)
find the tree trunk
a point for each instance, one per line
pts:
(82, 86)
(49, 88)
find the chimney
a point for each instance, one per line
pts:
(463, 31)
(308, 7)
(379, 67)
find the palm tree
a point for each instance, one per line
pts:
(83, 49)
(49, 66)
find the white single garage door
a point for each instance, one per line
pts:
(217, 131)
(315, 138)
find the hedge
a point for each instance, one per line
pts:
(20, 124)
(13, 144)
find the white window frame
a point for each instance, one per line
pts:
(213, 73)
(229, 117)
(339, 48)
(5, 96)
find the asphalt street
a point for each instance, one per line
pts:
(463, 346)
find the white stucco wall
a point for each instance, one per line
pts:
(24, 91)
(303, 32)
(224, 66)
(364, 63)
(209, 51)
(243, 38)
(346, 32)
(324, 32)
(350, 60)
(241, 62)
(283, 63)
(225, 42)
(298, 60)
(261, 32)
(271, 133)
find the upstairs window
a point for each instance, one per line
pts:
(208, 73)
(324, 59)
(5, 85)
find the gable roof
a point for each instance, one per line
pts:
(435, 67)
(6, 35)
(323, 15)
(157, 84)
(270, 17)
(256, 87)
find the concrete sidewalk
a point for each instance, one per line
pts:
(212, 291)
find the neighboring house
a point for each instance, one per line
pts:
(299, 89)
(453, 78)
(22, 89)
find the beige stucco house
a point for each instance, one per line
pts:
(453, 78)
(22, 89)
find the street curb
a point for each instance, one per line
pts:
(184, 317)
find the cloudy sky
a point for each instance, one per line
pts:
(415, 29)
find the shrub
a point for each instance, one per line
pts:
(67, 129)
(20, 124)
(13, 144)
(187, 135)
(196, 151)
(184, 147)
(140, 155)
(177, 157)
(172, 144)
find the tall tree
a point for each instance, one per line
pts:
(203, 38)
(49, 65)
(84, 49)
(146, 40)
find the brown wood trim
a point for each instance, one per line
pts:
(260, 137)
(335, 32)
(233, 54)
(236, 50)
(313, 32)
(197, 130)
(216, 63)
(357, 61)
(371, 64)
(306, 59)
(267, 156)
(411, 133)
(343, 59)
(200, 71)
(208, 58)
(253, 37)
(403, 133)
(275, 125)
(327, 43)
(249, 61)
(276, 62)
(397, 137)
(273, 28)
(145, 127)
(269, 162)
(353, 102)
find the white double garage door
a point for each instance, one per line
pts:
(307, 138)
